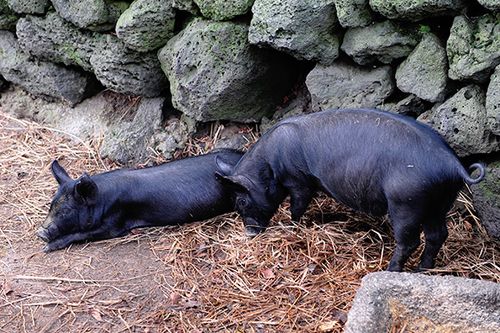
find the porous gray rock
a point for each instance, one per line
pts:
(147, 24)
(346, 86)
(301, 28)
(127, 71)
(8, 18)
(388, 300)
(353, 13)
(53, 39)
(40, 78)
(128, 143)
(493, 102)
(411, 106)
(29, 6)
(425, 72)
(221, 10)
(490, 4)
(473, 47)
(174, 135)
(215, 74)
(116, 66)
(486, 199)
(462, 121)
(86, 120)
(383, 41)
(415, 10)
(96, 15)
(186, 5)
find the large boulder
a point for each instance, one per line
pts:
(493, 102)
(486, 198)
(463, 123)
(29, 6)
(383, 41)
(96, 15)
(127, 71)
(388, 301)
(8, 17)
(215, 74)
(301, 28)
(425, 72)
(147, 24)
(473, 47)
(345, 86)
(40, 78)
(353, 13)
(490, 4)
(53, 39)
(221, 10)
(415, 10)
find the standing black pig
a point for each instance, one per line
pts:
(110, 204)
(368, 159)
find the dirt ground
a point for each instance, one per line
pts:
(203, 277)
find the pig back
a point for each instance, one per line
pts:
(180, 191)
(357, 156)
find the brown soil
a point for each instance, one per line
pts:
(203, 277)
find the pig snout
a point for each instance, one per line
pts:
(252, 228)
(43, 234)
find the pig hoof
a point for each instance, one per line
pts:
(394, 268)
(49, 248)
(42, 233)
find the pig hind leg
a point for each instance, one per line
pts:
(434, 226)
(435, 232)
(406, 224)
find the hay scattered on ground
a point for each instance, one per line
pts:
(292, 278)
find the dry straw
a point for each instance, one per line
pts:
(292, 278)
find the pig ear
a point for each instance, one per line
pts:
(86, 190)
(59, 173)
(239, 183)
(223, 168)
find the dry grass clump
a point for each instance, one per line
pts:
(293, 278)
(211, 278)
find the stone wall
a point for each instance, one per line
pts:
(251, 61)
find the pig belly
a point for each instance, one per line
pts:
(364, 194)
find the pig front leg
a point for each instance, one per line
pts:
(299, 201)
(98, 234)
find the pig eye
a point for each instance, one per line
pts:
(241, 202)
(64, 211)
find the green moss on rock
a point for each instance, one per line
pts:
(215, 74)
(221, 10)
(416, 10)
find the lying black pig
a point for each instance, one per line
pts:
(110, 204)
(370, 160)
